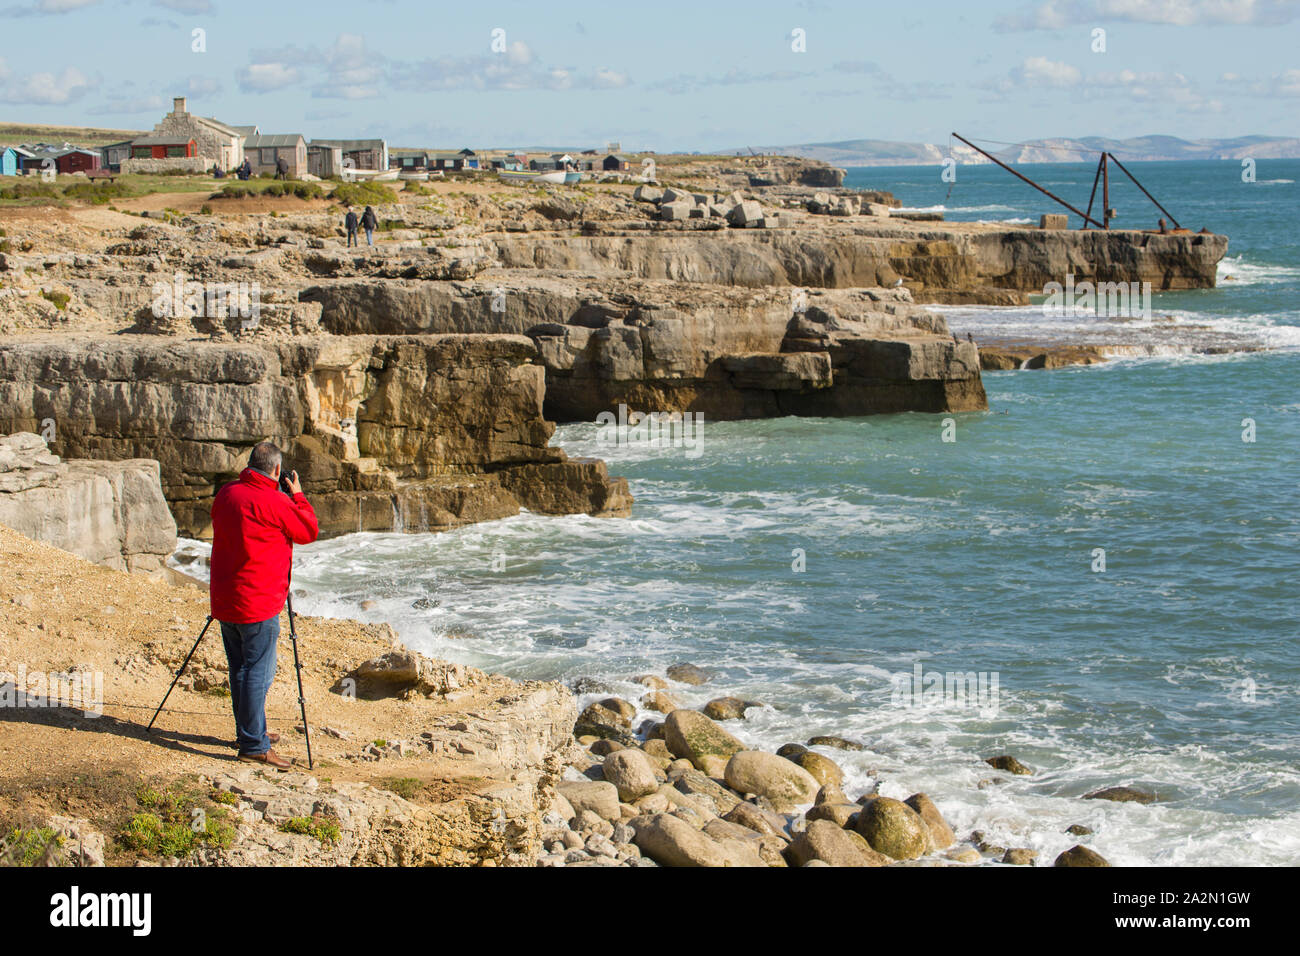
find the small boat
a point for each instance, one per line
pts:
(387, 176)
(572, 179)
(523, 178)
(414, 175)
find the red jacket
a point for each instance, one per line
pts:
(254, 528)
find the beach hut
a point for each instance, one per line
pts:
(8, 161)
(77, 160)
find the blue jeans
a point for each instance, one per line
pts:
(250, 652)
(370, 236)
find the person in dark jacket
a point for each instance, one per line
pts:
(281, 168)
(254, 528)
(350, 224)
(369, 222)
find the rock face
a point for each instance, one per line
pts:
(112, 513)
(660, 346)
(409, 432)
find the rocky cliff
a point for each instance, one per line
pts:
(669, 346)
(109, 512)
(408, 432)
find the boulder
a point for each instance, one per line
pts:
(727, 708)
(823, 769)
(769, 848)
(691, 735)
(671, 841)
(941, 835)
(747, 214)
(1020, 856)
(757, 819)
(841, 814)
(693, 783)
(600, 797)
(688, 674)
(659, 702)
(1008, 763)
(838, 743)
(1122, 795)
(784, 783)
(631, 773)
(672, 194)
(652, 681)
(676, 211)
(832, 845)
(648, 194)
(894, 829)
(1080, 856)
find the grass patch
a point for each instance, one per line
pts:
(31, 846)
(60, 299)
(363, 194)
(404, 787)
(325, 830)
(175, 822)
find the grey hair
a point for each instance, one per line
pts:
(265, 457)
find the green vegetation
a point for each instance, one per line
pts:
(363, 194)
(404, 787)
(325, 830)
(175, 822)
(30, 847)
(60, 299)
(303, 190)
(33, 191)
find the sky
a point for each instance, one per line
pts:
(661, 75)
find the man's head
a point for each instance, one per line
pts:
(266, 458)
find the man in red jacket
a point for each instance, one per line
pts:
(254, 528)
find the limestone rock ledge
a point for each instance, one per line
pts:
(658, 345)
(109, 512)
(403, 432)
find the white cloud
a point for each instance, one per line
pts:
(265, 77)
(46, 89)
(610, 80)
(44, 8)
(185, 6)
(1057, 14)
(1040, 71)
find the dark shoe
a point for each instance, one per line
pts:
(270, 758)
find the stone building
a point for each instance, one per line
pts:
(215, 142)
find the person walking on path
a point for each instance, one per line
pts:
(254, 528)
(369, 223)
(350, 224)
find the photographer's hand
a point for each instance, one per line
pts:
(294, 486)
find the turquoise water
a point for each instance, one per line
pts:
(1173, 669)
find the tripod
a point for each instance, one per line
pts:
(302, 700)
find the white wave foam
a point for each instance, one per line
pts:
(1235, 270)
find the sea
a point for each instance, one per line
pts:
(1098, 575)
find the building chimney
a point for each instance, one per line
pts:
(178, 104)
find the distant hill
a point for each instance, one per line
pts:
(13, 133)
(875, 152)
